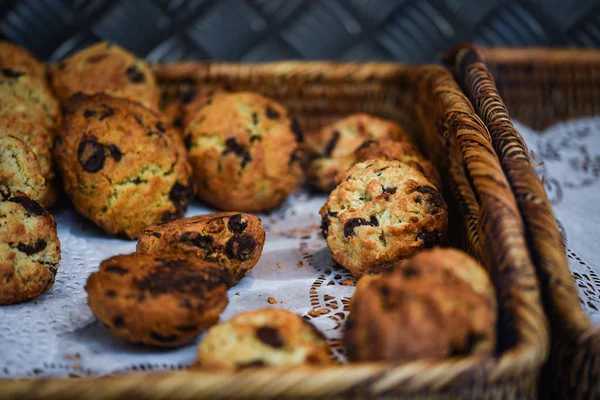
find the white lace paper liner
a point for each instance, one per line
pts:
(56, 334)
(570, 153)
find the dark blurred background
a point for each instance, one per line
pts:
(265, 30)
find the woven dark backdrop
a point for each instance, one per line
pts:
(266, 30)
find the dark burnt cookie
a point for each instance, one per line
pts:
(29, 248)
(244, 151)
(234, 240)
(263, 338)
(122, 167)
(382, 211)
(106, 68)
(158, 299)
(438, 304)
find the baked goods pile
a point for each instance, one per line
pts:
(131, 164)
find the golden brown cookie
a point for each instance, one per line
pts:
(391, 150)
(231, 239)
(157, 299)
(269, 337)
(15, 60)
(438, 304)
(29, 248)
(382, 211)
(106, 68)
(333, 146)
(122, 167)
(244, 151)
(19, 169)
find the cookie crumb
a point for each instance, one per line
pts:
(300, 264)
(279, 265)
(348, 282)
(316, 313)
(271, 300)
(237, 293)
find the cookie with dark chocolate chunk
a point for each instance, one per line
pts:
(234, 240)
(29, 247)
(161, 300)
(263, 338)
(122, 167)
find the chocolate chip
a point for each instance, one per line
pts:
(251, 364)
(188, 141)
(429, 239)
(10, 73)
(91, 155)
(270, 336)
(297, 130)
(107, 112)
(180, 195)
(240, 151)
(138, 120)
(117, 269)
(254, 118)
(30, 249)
(160, 127)
(366, 145)
(237, 224)
(331, 144)
(436, 197)
(87, 113)
(178, 122)
(156, 234)
(135, 75)
(390, 190)
(410, 272)
(203, 242)
(163, 339)
(110, 293)
(272, 113)
(188, 96)
(246, 158)
(240, 247)
(30, 206)
(187, 328)
(356, 222)
(115, 152)
(325, 222)
(118, 322)
(96, 58)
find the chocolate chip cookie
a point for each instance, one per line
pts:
(438, 304)
(391, 150)
(268, 337)
(381, 212)
(15, 60)
(333, 146)
(122, 167)
(19, 169)
(231, 239)
(157, 299)
(29, 248)
(105, 68)
(244, 151)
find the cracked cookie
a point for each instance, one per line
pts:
(263, 338)
(29, 248)
(244, 150)
(122, 167)
(333, 146)
(19, 168)
(436, 305)
(157, 299)
(105, 68)
(231, 239)
(382, 211)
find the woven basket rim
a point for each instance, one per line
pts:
(540, 55)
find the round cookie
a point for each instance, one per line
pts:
(269, 337)
(333, 146)
(29, 248)
(244, 151)
(121, 166)
(26, 98)
(106, 68)
(19, 169)
(391, 150)
(231, 239)
(382, 211)
(438, 304)
(157, 299)
(15, 60)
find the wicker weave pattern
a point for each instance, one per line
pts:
(485, 208)
(574, 367)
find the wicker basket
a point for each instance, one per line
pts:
(573, 370)
(484, 212)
